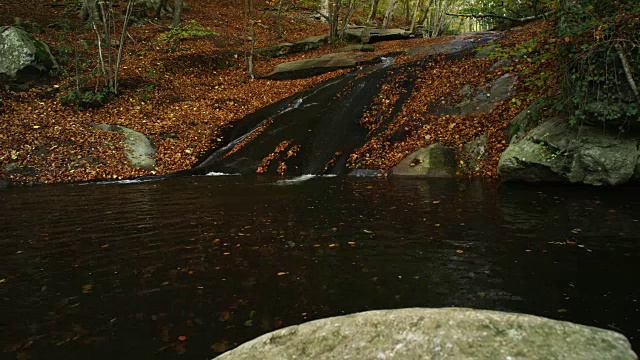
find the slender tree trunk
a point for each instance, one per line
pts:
(416, 6)
(351, 7)
(324, 9)
(334, 11)
(407, 13)
(374, 10)
(177, 12)
(388, 16)
(250, 37)
(278, 16)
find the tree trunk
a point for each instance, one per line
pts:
(334, 11)
(324, 10)
(177, 12)
(162, 4)
(90, 11)
(249, 28)
(388, 16)
(416, 6)
(374, 10)
(278, 16)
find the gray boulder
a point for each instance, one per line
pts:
(367, 35)
(453, 333)
(359, 47)
(139, 149)
(526, 120)
(23, 58)
(481, 101)
(308, 44)
(554, 151)
(320, 65)
(435, 160)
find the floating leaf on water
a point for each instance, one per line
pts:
(182, 338)
(459, 251)
(562, 310)
(282, 273)
(87, 288)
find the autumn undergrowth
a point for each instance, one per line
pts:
(598, 38)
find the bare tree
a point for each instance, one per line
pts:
(325, 6)
(416, 6)
(110, 61)
(374, 10)
(249, 36)
(388, 16)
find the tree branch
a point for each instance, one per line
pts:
(627, 70)
(493, 16)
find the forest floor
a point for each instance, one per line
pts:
(183, 98)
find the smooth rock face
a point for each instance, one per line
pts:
(140, 150)
(554, 151)
(23, 58)
(307, 44)
(435, 160)
(443, 334)
(480, 101)
(525, 121)
(311, 67)
(366, 35)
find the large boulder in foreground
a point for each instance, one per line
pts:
(139, 149)
(23, 58)
(454, 333)
(310, 67)
(554, 151)
(435, 160)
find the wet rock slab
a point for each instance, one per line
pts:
(320, 65)
(453, 333)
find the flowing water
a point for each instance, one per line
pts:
(192, 266)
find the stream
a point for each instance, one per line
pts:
(193, 266)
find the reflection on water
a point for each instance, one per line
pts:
(194, 266)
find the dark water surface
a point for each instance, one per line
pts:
(122, 271)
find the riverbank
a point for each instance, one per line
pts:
(179, 99)
(183, 99)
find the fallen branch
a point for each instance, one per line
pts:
(494, 16)
(627, 70)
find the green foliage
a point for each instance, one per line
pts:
(594, 34)
(507, 8)
(186, 30)
(520, 51)
(87, 99)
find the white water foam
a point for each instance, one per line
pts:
(302, 178)
(215, 173)
(127, 181)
